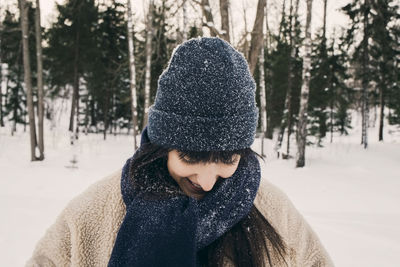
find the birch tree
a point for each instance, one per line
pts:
(302, 124)
(132, 71)
(365, 81)
(148, 63)
(39, 61)
(3, 87)
(27, 77)
(3, 72)
(263, 93)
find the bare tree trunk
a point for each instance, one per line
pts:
(268, 33)
(148, 64)
(27, 77)
(206, 9)
(224, 10)
(39, 79)
(77, 109)
(256, 36)
(184, 11)
(132, 71)
(305, 88)
(381, 114)
(365, 106)
(114, 114)
(282, 18)
(87, 108)
(243, 43)
(324, 20)
(75, 92)
(231, 24)
(3, 87)
(4, 70)
(331, 119)
(268, 129)
(105, 115)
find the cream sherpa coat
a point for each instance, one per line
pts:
(85, 231)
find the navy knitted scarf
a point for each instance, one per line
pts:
(169, 230)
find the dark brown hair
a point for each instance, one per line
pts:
(250, 240)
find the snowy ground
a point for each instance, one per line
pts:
(349, 195)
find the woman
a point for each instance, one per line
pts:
(191, 194)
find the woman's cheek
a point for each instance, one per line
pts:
(182, 171)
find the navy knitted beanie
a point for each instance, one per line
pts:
(205, 99)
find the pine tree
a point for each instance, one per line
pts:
(359, 12)
(319, 84)
(384, 51)
(330, 98)
(108, 76)
(70, 50)
(339, 94)
(293, 33)
(11, 55)
(376, 53)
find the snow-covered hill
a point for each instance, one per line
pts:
(349, 195)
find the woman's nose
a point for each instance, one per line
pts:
(207, 178)
(207, 183)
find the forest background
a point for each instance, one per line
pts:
(324, 70)
(108, 63)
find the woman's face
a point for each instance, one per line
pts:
(196, 179)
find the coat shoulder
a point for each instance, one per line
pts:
(303, 245)
(96, 198)
(84, 232)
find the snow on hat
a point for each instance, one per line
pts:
(205, 99)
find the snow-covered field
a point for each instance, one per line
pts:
(349, 195)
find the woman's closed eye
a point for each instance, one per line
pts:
(184, 158)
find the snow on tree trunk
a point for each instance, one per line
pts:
(39, 61)
(132, 71)
(148, 64)
(305, 88)
(257, 36)
(365, 106)
(224, 10)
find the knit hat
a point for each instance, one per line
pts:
(205, 99)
